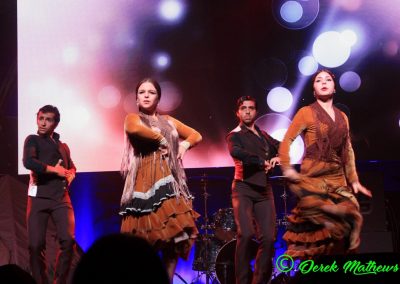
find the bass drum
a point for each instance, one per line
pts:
(225, 262)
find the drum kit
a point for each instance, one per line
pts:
(215, 248)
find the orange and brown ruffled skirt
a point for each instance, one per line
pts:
(172, 223)
(322, 223)
(155, 213)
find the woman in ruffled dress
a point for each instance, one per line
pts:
(156, 203)
(326, 219)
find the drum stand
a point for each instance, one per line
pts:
(209, 274)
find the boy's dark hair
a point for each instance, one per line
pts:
(51, 109)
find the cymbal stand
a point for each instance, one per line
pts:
(284, 196)
(206, 227)
(203, 182)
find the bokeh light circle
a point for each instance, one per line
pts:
(308, 65)
(349, 37)
(291, 11)
(330, 49)
(295, 14)
(350, 81)
(161, 61)
(171, 10)
(279, 99)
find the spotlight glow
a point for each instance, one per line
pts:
(350, 81)
(171, 10)
(330, 49)
(308, 65)
(291, 11)
(279, 99)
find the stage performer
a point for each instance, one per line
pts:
(255, 154)
(326, 219)
(156, 203)
(52, 172)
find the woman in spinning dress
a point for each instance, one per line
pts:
(326, 219)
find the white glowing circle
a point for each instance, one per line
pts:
(70, 55)
(279, 99)
(171, 10)
(350, 81)
(291, 11)
(170, 97)
(161, 61)
(330, 49)
(349, 36)
(109, 97)
(308, 65)
(296, 149)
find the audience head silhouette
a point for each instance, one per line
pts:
(120, 258)
(13, 274)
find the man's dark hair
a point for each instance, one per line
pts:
(51, 109)
(240, 101)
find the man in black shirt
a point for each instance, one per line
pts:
(52, 172)
(254, 153)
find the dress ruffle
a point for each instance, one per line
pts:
(166, 223)
(144, 203)
(322, 224)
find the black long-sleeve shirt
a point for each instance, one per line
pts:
(249, 153)
(40, 151)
